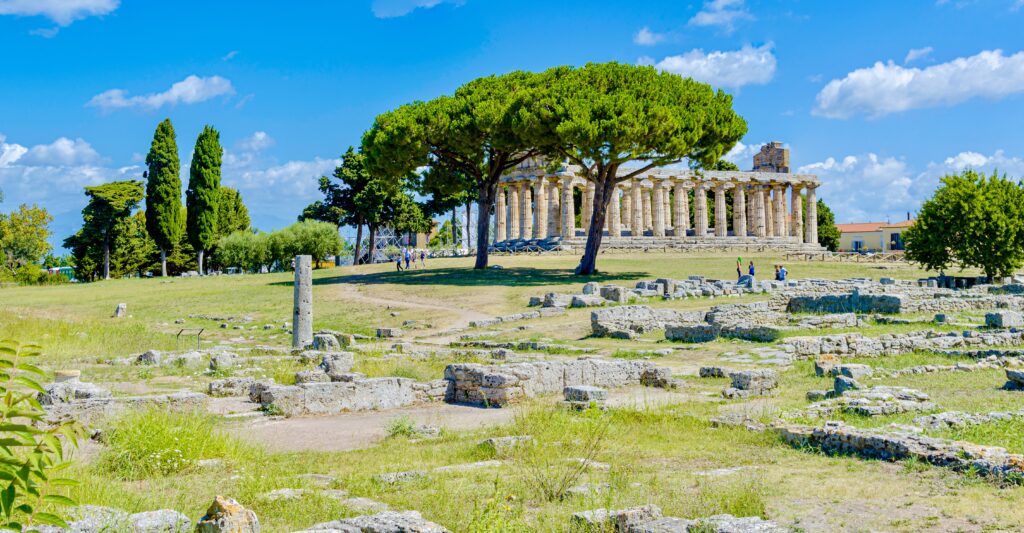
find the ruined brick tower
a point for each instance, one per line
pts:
(772, 158)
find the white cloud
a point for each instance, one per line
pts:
(230, 55)
(62, 152)
(887, 88)
(918, 53)
(743, 154)
(646, 37)
(256, 142)
(747, 66)
(399, 8)
(62, 12)
(872, 188)
(190, 90)
(45, 33)
(722, 13)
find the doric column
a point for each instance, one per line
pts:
(568, 210)
(680, 217)
(739, 210)
(797, 227)
(721, 213)
(637, 223)
(778, 211)
(588, 206)
(700, 210)
(540, 209)
(658, 206)
(615, 216)
(769, 211)
(666, 196)
(554, 209)
(812, 214)
(499, 216)
(525, 211)
(760, 228)
(751, 212)
(513, 211)
(627, 207)
(645, 202)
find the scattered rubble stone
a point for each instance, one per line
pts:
(874, 401)
(385, 333)
(957, 419)
(385, 522)
(226, 515)
(325, 342)
(746, 383)
(1004, 319)
(162, 521)
(223, 361)
(233, 386)
(121, 310)
(502, 445)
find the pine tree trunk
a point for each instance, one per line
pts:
(359, 243)
(469, 218)
(455, 229)
(106, 256)
(373, 244)
(163, 263)
(485, 199)
(602, 194)
(200, 262)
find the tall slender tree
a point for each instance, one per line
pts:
(616, 122)
(203, 195)
(163, 191)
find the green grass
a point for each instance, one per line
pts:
(157, 442)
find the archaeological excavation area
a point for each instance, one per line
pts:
(661, 395)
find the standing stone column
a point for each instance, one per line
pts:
(658, 205)
(513, 211)
(525, 211)
(501, 233)
(666, 196)
(778, 218)
(797, 214)
(679, 219)
(739, 210)
(540, 209)
(769, 211)
(615, 217)
(760, 228)
(638, 211)
(302, 314)
(700, 210)
(588, 206)
(627, 209)
(645, 200)
(812, 214)
(721, 213)
(751, 212)
(568, 210)
(554, 209)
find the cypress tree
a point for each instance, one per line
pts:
(203, 195)
(163, 191)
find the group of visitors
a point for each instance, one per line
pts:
(409, 256)
(780, 271)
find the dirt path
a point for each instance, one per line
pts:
(463, 316)
(351, 431)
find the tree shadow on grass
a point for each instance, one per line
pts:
(467, 277)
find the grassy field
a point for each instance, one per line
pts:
(666, 453)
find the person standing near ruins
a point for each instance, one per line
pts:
(750, 270)
(423, 259)
(739, 268)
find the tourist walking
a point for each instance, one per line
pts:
(739, 268)
(782, 273)
(398, 263)
(407, 257)
(423, 259)
(750, 270)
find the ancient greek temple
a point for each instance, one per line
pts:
(673, 208)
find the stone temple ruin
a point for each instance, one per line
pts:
(535, 208)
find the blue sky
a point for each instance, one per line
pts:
(878, 98)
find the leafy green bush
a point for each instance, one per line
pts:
(401, 426)
(32, 452)
(159, 442)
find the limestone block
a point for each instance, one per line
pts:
(713, 372)
(591, 288)
(226, 515)
(824, 364)
(853, 371)
(337, 363)
(223, 361)
(753, 332)
(384, 522)
(552, 299)
(384, 333)
(70, 391)
(502, 445)
(121, 310)
(588, 300)
(615, 293)
(162, 521)
(584, 393)
(759, 381)
(325, 342)
(692, 332)
(845, 383)
(233, 386)
(316, 375)
(150, 358)
(625, 520)
(1004, 319)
